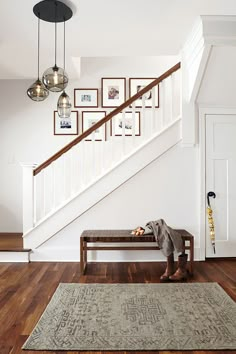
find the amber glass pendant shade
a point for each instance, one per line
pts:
(37, 91)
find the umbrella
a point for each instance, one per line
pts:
(210, 220)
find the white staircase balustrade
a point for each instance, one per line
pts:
(77, 169)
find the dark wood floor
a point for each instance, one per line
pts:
(25, 290)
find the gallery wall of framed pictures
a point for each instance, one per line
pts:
(112, 95)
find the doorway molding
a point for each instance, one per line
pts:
(203, 112)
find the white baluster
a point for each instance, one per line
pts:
(106, 146)
(93, 157)
(73, 170)
(133, 123)
(42, 194)
(123, 133)
(144, 123)
(64, 158)
(177, 91)
(76, 178)
(70, 173)
(35, 214)
(180, 91)
(173, 103)
(81, 165)
(53, 194)
(162, 104)
(112, 141)
(101, 160)
(153, 120)
(169, 100)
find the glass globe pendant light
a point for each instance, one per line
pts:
(55, 79)
(37, 91)
(63, 104)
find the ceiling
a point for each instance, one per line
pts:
(99, 28)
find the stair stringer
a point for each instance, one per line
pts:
(104, 185)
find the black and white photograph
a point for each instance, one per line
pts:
(66, 126)
(65, 123)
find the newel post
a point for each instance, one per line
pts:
(28, 197)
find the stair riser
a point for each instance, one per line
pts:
(21, 257)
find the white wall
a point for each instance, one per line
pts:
(26, 133)
(219, 83)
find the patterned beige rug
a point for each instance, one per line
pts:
(191, 316)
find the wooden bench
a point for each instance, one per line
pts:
(124, 236)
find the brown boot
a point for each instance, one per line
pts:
(169, 268)
(181, 272)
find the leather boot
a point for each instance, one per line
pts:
(169, 268)
(181, 272)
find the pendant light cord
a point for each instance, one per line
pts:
(64, 46)
(38, 43)
(55, 33)
(55, 44)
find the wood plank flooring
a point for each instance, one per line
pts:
(25, 290)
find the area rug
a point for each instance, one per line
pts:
(190, 316)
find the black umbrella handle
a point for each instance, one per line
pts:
(210, 194)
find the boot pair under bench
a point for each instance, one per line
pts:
(124, 236)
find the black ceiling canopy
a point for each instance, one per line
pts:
(52, 11)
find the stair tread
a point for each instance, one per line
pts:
(15, 249)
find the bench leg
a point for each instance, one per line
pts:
(81, 255)
(191, 257)
(85, 255)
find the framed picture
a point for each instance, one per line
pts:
(85, 98)
(66, 126)
(89, 118)
(113, 91)
(117, 125)
(137, 84)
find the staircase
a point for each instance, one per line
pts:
(86, 170)
(11, 248)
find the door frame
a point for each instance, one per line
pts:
(203, 112)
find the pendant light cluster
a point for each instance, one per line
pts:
(54, 79)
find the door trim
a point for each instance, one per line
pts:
(203, 112)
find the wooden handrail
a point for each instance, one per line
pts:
(106, 118)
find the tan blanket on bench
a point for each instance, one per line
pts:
(168, 240)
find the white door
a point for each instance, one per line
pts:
(221, 179)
